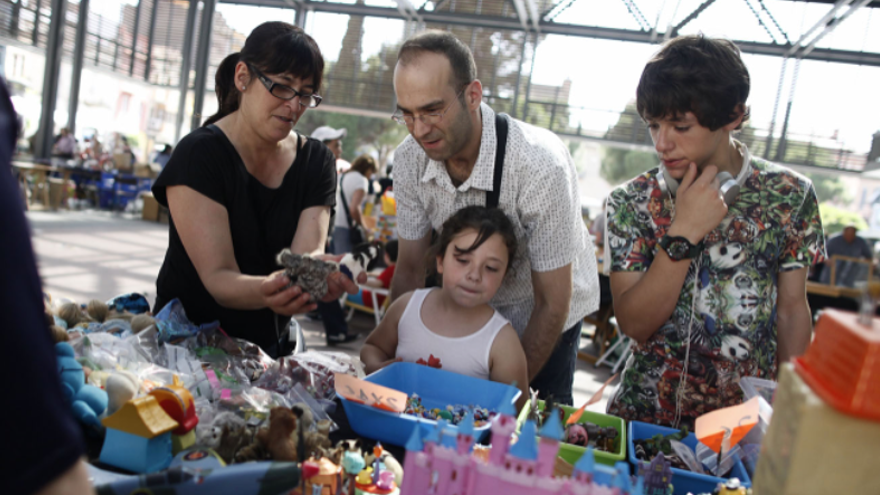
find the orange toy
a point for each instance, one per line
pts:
(842, 365)
(178, 403)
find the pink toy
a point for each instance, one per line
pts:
(442, 464)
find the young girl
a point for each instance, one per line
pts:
(453, 327)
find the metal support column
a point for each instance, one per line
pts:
(522, 58)
(300, 18)
(151, 36)
(50, 79)
(79, 49)
(783, 137)
(37, 22)
(134, 37)
(202, 53)
(769, 142)
(189, 35)
(525, 113)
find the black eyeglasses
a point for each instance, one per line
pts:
(427, 119)
(286, 92)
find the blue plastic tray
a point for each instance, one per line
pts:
(682, 481)
(437, 388)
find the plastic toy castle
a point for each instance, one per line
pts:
(442, 463)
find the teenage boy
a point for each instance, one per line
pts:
(710, 290)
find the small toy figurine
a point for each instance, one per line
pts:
(576, 434)
(732, 487)
(348, 454)
(327, 481)
(451, 414)
(658, 476)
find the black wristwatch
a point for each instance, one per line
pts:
(679, 248)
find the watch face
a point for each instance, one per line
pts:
(678, 249)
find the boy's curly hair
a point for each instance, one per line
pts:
(696, 74)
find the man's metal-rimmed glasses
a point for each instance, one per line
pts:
(427, 119)
(286, 92)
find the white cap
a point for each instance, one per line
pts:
(327, 133)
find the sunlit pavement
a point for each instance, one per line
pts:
(84, 255)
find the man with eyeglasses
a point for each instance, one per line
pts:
(448, 162)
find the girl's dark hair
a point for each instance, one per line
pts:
(363, 164)
(705, 76)
(273, 48)
(486, 221)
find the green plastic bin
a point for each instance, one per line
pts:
(572, 453)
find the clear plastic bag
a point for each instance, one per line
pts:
(111, 352)
(239, 359)
(311, 369)
(709, 459)
(174, 326)
(753, 386)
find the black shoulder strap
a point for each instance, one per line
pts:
(344, 202)
(493, 196)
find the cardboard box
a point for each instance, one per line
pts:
(812, 449)
(151, 208)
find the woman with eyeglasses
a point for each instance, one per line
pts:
(246, 185)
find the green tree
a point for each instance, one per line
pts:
(620, 165)
(834, 219)
(830, 188)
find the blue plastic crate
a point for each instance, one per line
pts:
(437, 388)
(682, 481)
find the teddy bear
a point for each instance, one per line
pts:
(277, 442)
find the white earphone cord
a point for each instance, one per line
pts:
(679, 394)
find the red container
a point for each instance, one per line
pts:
(842, 365)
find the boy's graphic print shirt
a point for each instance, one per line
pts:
(772, 227)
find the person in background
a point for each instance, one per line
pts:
(65, 144)
(847, 243)
(353, 185)
(163, 156)
(383, 281)
(353, 188)
(44, 442)
(597, 228)
(332, 138)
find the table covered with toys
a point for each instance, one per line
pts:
(172, 407)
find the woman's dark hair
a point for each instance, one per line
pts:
(364, 164)
(486, 221)
(273, 48)
(696, 74)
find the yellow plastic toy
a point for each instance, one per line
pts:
(176, 400)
